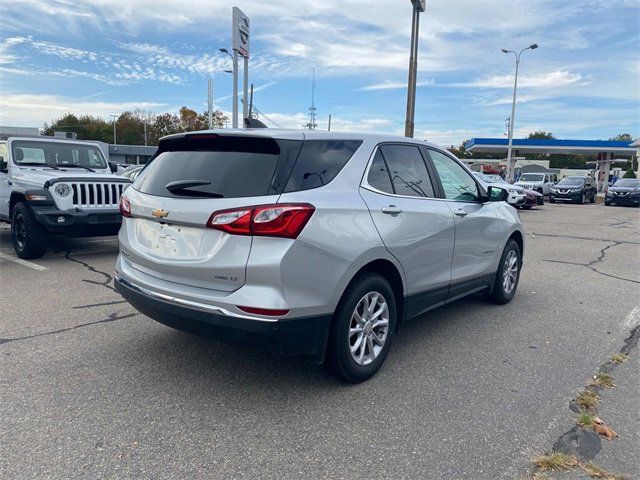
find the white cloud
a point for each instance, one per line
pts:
(33, 110)
(389, 85)
(558, 78)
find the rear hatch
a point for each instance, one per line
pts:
(193, 176)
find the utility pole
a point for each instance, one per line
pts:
(114, 128)
(210, 103)
(512, 119)
(144, 124)
(418, 7)
(329, 127)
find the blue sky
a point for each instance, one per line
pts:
(103, 57)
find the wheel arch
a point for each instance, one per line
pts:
(519, 239)
(15, 197)
(391, 273)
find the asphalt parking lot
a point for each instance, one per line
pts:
(91, 389)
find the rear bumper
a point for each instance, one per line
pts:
(78, 223)
(306, 336)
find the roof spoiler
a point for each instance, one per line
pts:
(253, 123)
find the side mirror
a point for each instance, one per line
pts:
(497, 194)
(113, 166)
(3, 165)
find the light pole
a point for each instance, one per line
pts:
(234, 59)
(512, 119)
(114, 128)
(418, 6)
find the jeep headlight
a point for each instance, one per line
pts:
(62, 189)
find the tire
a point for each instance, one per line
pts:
(340, 361)
(607, 203)
(526, 207)
(582, 199)
(29, 238)
(500, 294)
(593, 199)
(551, 200)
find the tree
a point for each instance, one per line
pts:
(629, 174)
(622, 137)
(541, 135)
(130, 126)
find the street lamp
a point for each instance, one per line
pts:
(234, 59)
(114, 128)
(418, 6)
(513, 108)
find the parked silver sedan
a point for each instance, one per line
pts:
(311, 243)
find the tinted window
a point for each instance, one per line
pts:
(378, 176)
(456, 181)
(408, 171)
(319, 162)
(233, 166)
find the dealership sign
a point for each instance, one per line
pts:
(240, 32)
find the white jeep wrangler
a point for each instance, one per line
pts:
(50, 186)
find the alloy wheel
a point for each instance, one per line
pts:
(510, 272)
(368, 328)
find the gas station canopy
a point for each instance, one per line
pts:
(524, 145)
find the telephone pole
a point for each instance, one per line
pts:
(418, 7)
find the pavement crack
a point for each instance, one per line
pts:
(111, 318)
(108, 279)
(585, 443)
(575, 237)
(590, 265)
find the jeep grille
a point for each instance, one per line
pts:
(97, 195)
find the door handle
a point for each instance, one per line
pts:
(461, 212)
(391, 210)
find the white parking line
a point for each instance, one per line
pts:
(632, 320)
(25, 263)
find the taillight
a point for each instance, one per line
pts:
(125, 207)
(277, 220)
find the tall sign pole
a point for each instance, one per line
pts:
(210, 102)
(418, 7)
(240, 45)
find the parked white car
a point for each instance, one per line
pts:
(540, 182)
(517, 195)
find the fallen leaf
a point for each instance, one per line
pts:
(602, 429)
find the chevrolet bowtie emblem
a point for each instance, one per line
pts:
(159, 213)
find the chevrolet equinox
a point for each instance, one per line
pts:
(311, 243)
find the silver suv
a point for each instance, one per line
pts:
(310, 243)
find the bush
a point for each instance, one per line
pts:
(629, 174)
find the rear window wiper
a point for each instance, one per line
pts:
(182, 187)
(73, 165)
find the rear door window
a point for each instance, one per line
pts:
(227, 167)
(378, 176)
(408, 172)
(319, 162)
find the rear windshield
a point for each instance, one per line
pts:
(233, 167)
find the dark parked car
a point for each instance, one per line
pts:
(573, 189)
(532, 199)
(625, 191)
